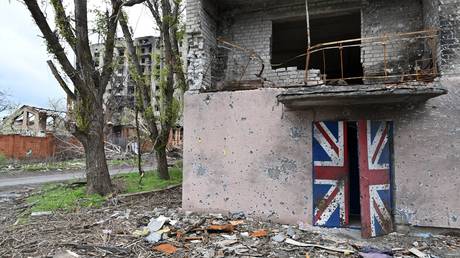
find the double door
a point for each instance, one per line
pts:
(331, 174)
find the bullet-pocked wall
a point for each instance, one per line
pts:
(243, 151)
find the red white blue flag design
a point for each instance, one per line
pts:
(330, 174)
(374, 138)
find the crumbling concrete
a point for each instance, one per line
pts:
(244, 151)
(33, 121)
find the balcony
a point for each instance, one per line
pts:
(388, 69)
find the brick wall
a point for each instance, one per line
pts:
(251, 28)
(449, 21)
(389, 17)
(201, 32)
(21, 147)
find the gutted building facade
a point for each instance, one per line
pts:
(332, 113)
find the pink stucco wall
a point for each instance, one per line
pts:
(245, 152)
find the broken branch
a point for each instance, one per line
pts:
(60, 80)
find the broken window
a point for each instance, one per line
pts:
(130, 90)
(289, 39)
(121, 51)
(338, 28)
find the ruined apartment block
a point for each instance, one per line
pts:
(121, 87)
(349, 119)
(120, 93)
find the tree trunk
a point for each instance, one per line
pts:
(97, 172)
(162, 163)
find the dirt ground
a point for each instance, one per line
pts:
(118, 230)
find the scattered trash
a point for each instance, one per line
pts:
(238, 215)
(165, 248)
(141, 232)
(157, 224)
(224, 243)
(259, 233)
(418, 253)
(290, 232)
(156, 236)
(155, 229)
(374, 255)
(41, 213)
(244, 234)
(237, 222)
(229, 237)
(216, 215)
(221, 228)
(422, 235)
(371, 249)
(344, 251)
(278, 238)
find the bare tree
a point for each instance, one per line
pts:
(87, 118)
(56, 103)
(171, 76)
(5, 103)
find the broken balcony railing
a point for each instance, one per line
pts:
(393, 58)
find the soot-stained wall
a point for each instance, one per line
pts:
(245, 152)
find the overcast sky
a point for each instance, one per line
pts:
(23, 70)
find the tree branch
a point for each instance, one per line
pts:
(155, 10)
(60, 80)
(107, 69)
(133, 2)
(63, 23)
(53, 44)
(83, 53)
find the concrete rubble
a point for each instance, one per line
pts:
(127, 227)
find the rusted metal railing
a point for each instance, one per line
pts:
(387, 59)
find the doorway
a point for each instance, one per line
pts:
(351, 175)
(355, 206)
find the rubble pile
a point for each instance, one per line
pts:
(155, 226)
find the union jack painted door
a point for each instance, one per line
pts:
(374, 138)
(330, 174)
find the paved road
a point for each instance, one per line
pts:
(30, 180)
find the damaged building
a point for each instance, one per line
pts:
(33, 121)
(119, 98)
(335, 113)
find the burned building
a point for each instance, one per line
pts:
(328, 112)
(33, 121)
(119, 98)
(120, 91)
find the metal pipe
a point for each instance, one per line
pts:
(341, 60)
(307, 16)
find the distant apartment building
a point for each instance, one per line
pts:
(120, 90)
(120, 93)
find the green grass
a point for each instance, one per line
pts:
(61, 197)
(120, 162)
(150, 182)
(77, 164)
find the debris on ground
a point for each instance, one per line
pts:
(154, 225)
